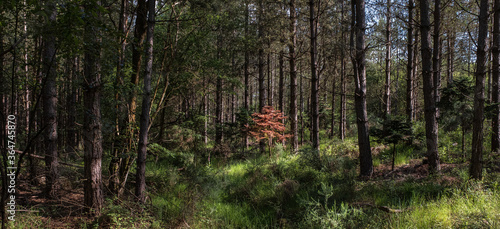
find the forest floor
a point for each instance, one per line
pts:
(284, 191)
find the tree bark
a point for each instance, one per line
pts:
(114, 181)
(93, 194)
(495, 120)
(146, 103)
(365, 154)
(436, 56)
(387, 93)
(431, 125)
(293, 77)
(50, 104)
(476, 164)
(409, 65)
(314, 77)
(137, 54)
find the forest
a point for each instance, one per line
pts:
(250, 114)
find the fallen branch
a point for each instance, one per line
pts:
(42, 158)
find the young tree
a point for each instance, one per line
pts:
(365, 154)
(431, 125)
(146, 104)
(476, 164)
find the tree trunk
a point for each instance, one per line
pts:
(146, 103)
(262, 79)
(436, 56)
(476, 164)
(387, 93)
(114, 165)
(365, 154)
(93, 194)
(342, 116)
(293, 77)
(247, 62)
(314, 78)
(50, 105)
(137, 53)
(409, 65)
(431, 125)
(281, 85)
(495, 120)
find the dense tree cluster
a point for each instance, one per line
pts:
(76, 74)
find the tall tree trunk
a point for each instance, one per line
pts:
(262, 79)
(293, 77)
(314, 77)
(93, 193)
(137, 54)
(342, 116)
(218, 97)
(146, 103)
(409, 65)
(436, 56)
(495, 120)
(365, 154)
(450, 59)
(387, 93)
(431, 125)
(50, 104)
(247, 62)
(281, 85)
(114, 180)
(270, 83)
(476, 164)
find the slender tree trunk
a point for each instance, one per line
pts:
(495, 120)
(293, 76)
(93, 193)
(409, 65)
(218, 98)
(140, 187)
(137, 54)
(281, 85)
(262, 79)
(365, 154)
(342, 116)
(431, 125)
(436, 56)
(50, 105)
(388, 44)
(114, 181)
(247, 62)
(314, 77)
(476, 164)
(450, 60)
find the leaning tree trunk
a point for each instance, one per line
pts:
(495, 120)
(146, 103)
(93, 193)
(293, 77)
(476, 164)
(365, 154)
(50, 104)
(431, 125)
